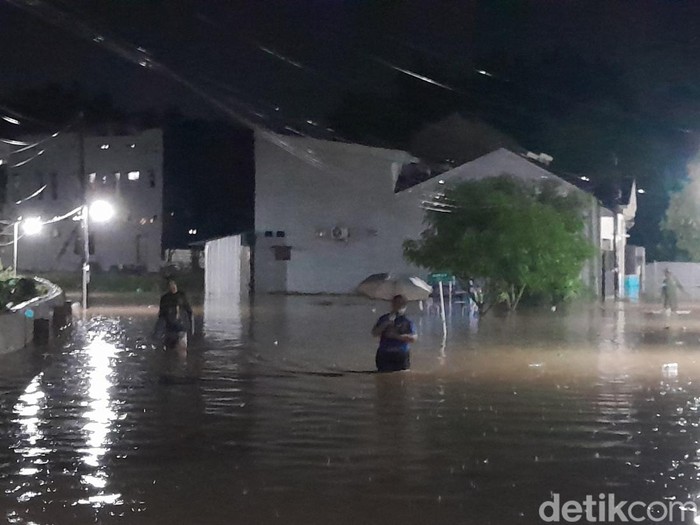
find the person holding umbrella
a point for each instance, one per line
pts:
(395, 332)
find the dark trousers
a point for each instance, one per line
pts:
(392, 361)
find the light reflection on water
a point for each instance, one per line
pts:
(274, 415)
(99, 416)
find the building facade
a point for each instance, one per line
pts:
(125, 170)
(329, 214)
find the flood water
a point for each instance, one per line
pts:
(275, 417)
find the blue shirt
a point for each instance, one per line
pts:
(402, 326)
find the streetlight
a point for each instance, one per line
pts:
(30, 226)
(99, 211)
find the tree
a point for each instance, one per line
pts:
(682, 220)
(518, 238)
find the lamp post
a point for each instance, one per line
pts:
(86, 255)
(15, 238)
(30, 226)
(100, 211)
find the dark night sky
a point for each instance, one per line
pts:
(653, 44)
(286, 62)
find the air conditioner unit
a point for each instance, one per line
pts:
(339, 234)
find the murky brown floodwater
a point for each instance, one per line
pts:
(279, 422)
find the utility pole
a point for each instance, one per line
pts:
(15, 239)
(86, 233)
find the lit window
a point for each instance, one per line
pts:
(143, 221)
(132, 146)
(192, 232)
(92, 178)
(134, 175)
(104, 146)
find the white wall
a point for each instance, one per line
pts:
(688, 274)
(132, 238)
(226, 269)
(352, 188)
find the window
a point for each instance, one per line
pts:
(54, 185)
(282, 253)
(268, 233)
(104, 146)
(92, 177)
(134, 175)
(152, 178)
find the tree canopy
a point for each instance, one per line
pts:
(682, 220)
(518, 238)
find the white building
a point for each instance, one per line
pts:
(327, 214)
(126, 170)
(329, 219)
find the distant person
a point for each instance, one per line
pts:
(669, 291)
(174, 317)
(395, 332)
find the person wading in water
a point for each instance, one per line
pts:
(174, 317)
(395, 332)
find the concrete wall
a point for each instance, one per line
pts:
(17, 329)
(350, 187)
(133, 237)
(299, 202)
(688, 274)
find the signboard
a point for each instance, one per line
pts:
(435, 278)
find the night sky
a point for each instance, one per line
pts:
(295, 63)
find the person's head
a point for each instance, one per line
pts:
(398, 304)
(172, 286)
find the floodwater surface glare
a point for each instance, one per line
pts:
(273, 417)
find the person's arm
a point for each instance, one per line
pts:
(410, 337)
(160, 322)
(161, 308)
(382, 324)
(185, 304)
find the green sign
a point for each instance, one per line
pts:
(435, 278)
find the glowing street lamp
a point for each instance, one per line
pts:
(99, 211)
(32, 226)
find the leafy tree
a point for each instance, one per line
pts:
(682, 220)
(515, 237)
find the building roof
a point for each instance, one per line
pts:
(499, 162)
